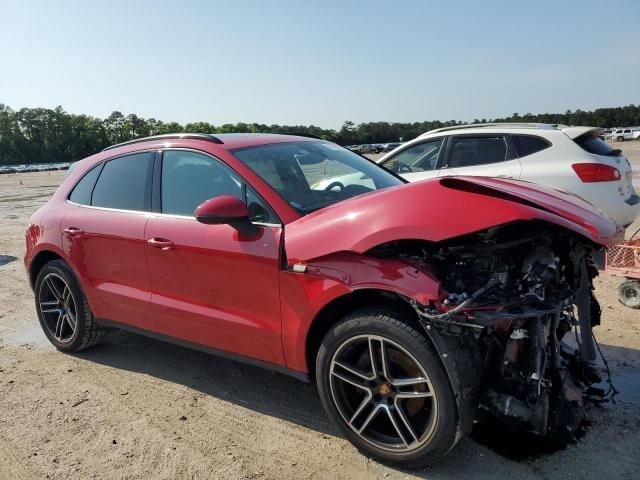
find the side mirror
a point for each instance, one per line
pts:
(226, 209)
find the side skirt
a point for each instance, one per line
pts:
(304, 377)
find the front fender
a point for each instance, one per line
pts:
(304, 295)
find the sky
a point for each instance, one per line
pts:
(319, 62)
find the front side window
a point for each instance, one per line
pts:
(421, 157)
(311, 175)
(470, 151)
(190, 178)
(124, 183)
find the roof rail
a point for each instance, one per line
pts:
(170, 136)
(544, 126)
(307, 135)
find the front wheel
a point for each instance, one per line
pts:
(384, 386)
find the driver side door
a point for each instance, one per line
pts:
(210, 284)
(417, 162)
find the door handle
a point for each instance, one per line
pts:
(73, 231)
(161, 243)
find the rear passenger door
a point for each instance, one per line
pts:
(103, 235)
(490, 155)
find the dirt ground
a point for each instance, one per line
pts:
(137, 408)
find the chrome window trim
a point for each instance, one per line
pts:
(158, 214)
(170, 215)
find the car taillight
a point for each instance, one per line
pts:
(596, 172)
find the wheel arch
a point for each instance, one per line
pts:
(339, 307)
(456, 354)
(40, 260)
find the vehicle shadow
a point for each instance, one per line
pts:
(286, 398)
(4, 259)
(261, 390)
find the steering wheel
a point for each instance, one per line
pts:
(332, 185)
(404, 169)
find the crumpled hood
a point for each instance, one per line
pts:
(440, 209)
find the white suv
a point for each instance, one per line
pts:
(622, 134)
(573, 159)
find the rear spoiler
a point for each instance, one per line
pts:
(575, 132)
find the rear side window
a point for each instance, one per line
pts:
(470, 151)
(125, 183)
(81, 193)
(528, 145)
(594, 144)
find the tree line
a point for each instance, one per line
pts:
(42, 135)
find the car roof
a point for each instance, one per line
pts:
(228, 141)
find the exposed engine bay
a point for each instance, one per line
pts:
(514, 323)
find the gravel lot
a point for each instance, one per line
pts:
(138, 408)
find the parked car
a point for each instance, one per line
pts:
(387, 147)
(622, 134)
(573, 159)
(408, 312)
(606, 134)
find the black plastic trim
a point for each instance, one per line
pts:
(632, 200)
(304, 377)
(156, 200)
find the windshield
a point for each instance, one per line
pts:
(312, 175)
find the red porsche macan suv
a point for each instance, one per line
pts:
(416, 308)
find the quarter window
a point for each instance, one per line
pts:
(81, 193)
(470, 151)
(528, 145)
(124, 183)
(190, 178)
(420, 157)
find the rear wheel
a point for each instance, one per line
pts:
(384, 386)
(63, 309)
(629, 293)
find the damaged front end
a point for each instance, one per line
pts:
(511, 297)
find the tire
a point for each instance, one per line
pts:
(620, 139)
(59, 300)
(629, 293)
(433, 419)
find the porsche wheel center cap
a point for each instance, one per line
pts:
(384, 389)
